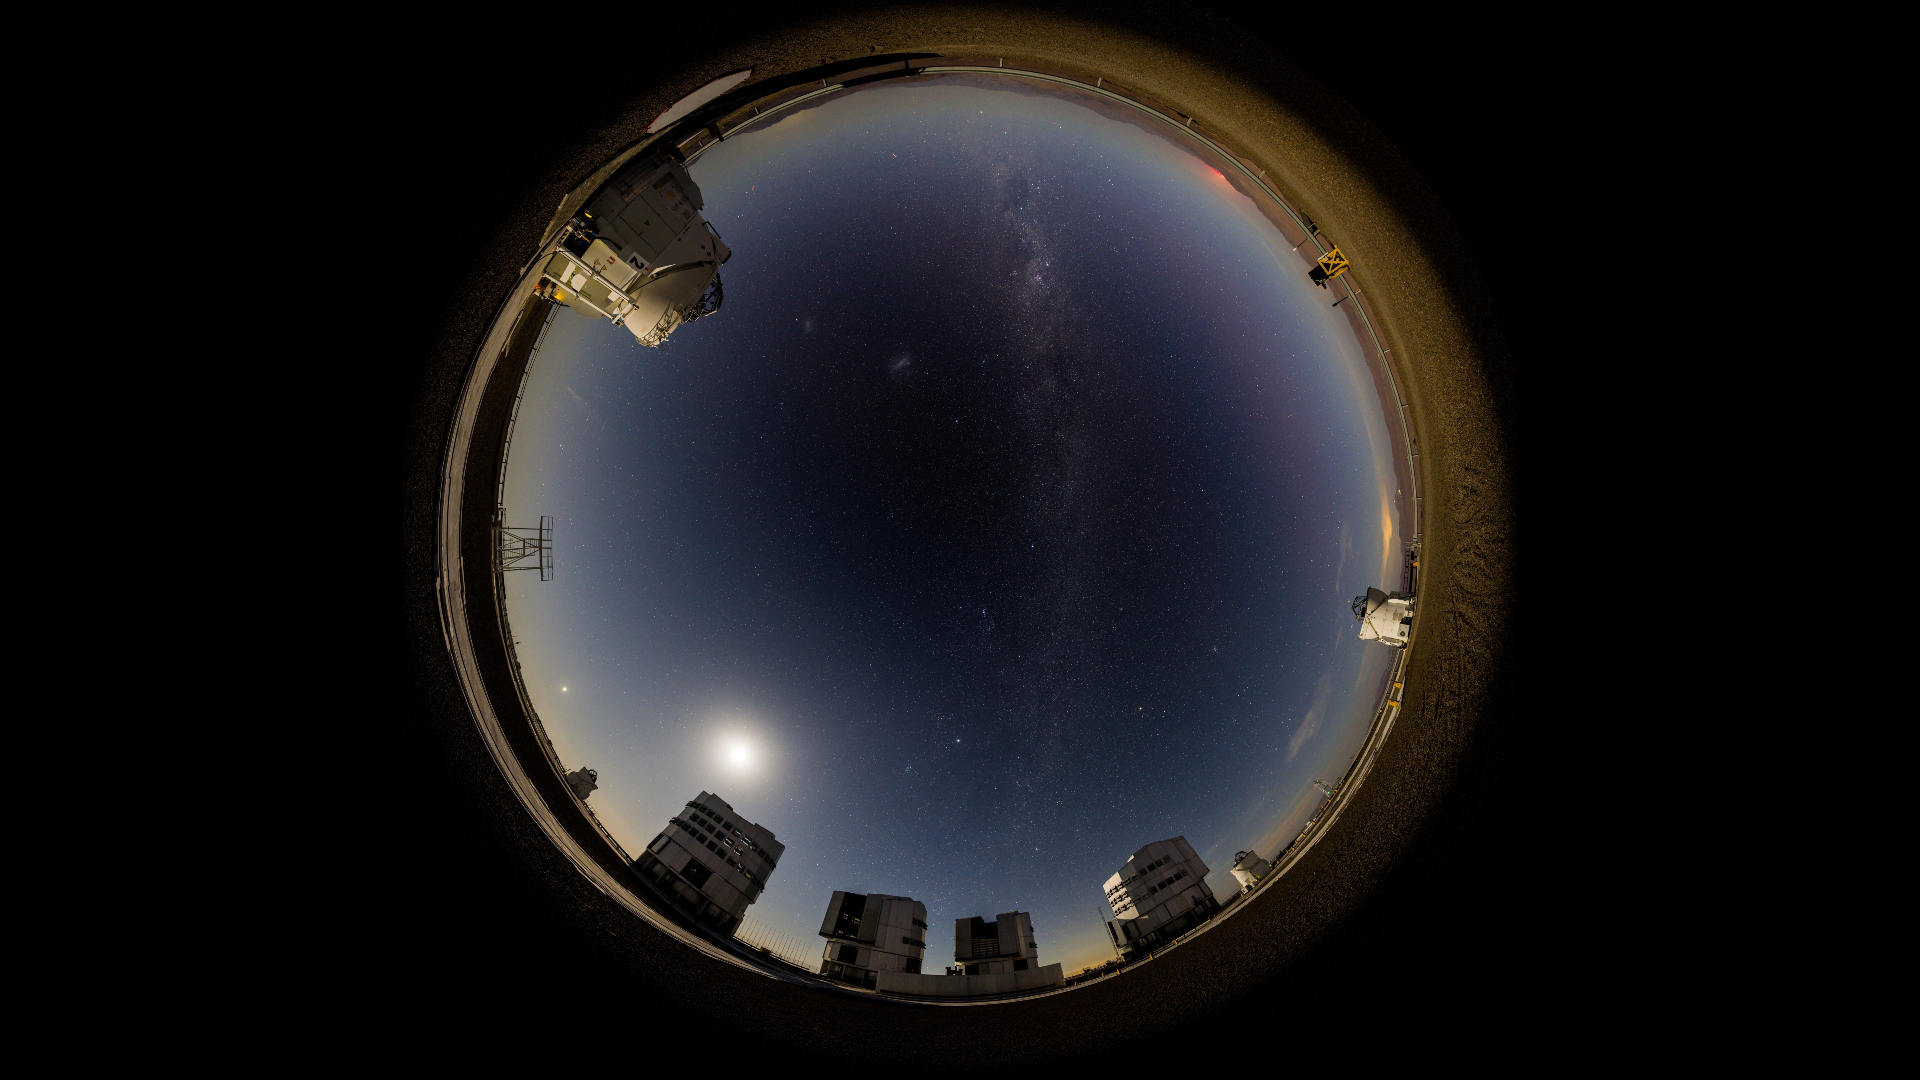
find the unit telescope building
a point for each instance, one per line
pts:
(711, 861)
(991, 948)
(1248, 869)
(639, 253)
(872, 933)
(1384, 617)
(990, 959)
(1158, 895)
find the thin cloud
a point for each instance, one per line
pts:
(1346, 549)
(1386, 538)
(1311, 723)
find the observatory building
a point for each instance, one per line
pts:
(1384, 617)
(711, 862)
(584, 782)
(639, 252)
(1158, 895)
(989, 948)
(871, 933)
(1248, 868)
(990, 959)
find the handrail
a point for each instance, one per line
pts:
(1258, 179)
(1386, 712)
(759, 116)
(506, 625)
(1389, 708)
(513, 418)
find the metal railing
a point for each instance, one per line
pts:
(499, 572)
(1359, 312)
(1311, 231)
(513, 418)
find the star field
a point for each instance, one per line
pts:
(1008, 508)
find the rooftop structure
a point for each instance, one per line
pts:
(1158, 895)
(1248, 868)
(639, 252)
(1384, 617)
(711, 862)
(872, 933)
(584, 782)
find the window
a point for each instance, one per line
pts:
(1019, 965)
(851, 909)
(913, 966)
(848, 954)
(696, 873)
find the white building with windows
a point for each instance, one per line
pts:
(990, 959)
(639, 253)
(1158, 895)
(871, 933)
(711, 862)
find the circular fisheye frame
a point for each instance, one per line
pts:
(945, 489)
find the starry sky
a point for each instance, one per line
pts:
(1003, 520)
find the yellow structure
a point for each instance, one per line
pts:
(1332, 265)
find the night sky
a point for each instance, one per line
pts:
(1004, 519)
